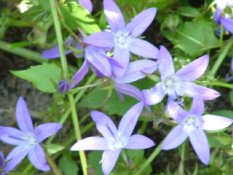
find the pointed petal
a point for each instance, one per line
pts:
(220, 5)
(176, 112)
(136, 70)
(227, 23)
(166, 67)
(175, 138)
(80, 74)
(46, 130)
(129, 120)
(15, 157)
(87, 4)
(129, 90)
(200, 145)
(114, 16)
(23, 117)
(53, 53)
(193, 90)
(141, 22)
(101, 39)
(11, 135)
(154, 95)
(98, 59)
(108, 160)
(122, 57)
(90, 143)
(214, 122)
(143, 48)
(104, 124)
(2, 160)
(37, 158)
(197, 107)
(194, 70)
(139, 142)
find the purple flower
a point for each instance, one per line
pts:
(192, 124)
(179, 83)
(220, 6)
(27, 139)
(114, 139)
(122, 38)
(87, 4)
(2, 163)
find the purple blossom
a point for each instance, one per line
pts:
(27, 139)
(191, 124)
(124, 39)
(87, 4)
(2, 163)
(179, 83)
(114, 139)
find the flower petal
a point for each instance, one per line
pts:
(114, 16)
(80, 74)
(90, 143)
(197, 107)
(104, 124)
(166, 67)
(15, 157)
(194, 70)
(98, 59)
(53, 53)
(220, 5)
(154, 95)
(37, 158)
(139, 142)
(23, 117)
(176, 112)
(11, 135)
(200, 145)
(129, 120)
(122, 57)
(63, 86)
(143, 48)
(101, 39)
(108, 160)
(137, 69)
(214, 122)
(46, 130)
(227, 23)
(141, 22)
(175, 138)
(2, 160)
(87, 4)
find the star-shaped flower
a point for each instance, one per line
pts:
(114, 139)
(124, 38)
(179, 83)
(192, 124)
(27, 139)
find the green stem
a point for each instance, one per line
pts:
(29, 54)
(216, 83)
(221, 57)
(53, 165)
(149, 159)
(66, 75)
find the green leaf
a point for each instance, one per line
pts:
(194, 37)
(75, 17)
(225, 140)
(42, 76)
(94, 160)
(225, 113)
(54, 148)
(67, 165)
(188, 11)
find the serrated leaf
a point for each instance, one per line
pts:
(75, 17)
(67, 165)
(41, 76)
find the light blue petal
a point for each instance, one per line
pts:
(227, 24)
(176, 112)
(90, 143)
(44, 131)
(108, 160)
(143, 48)
(214, 122)
(193, 70)
(2, 160)
(38, 159)
(141, 22)
(175, 138)
(100, 39)
(23, 117)
(129, 120)
(104, 124)
(200, 145)
(139, 142)
(11, 135)
(198, 107)
(87, 4)
(114, 16)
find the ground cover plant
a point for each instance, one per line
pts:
(135, 87)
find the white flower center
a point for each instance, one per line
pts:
(192, 122)
(122, 39)
(117, 143)
(170, 84)
(31, 139)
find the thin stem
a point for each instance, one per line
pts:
(221, 57)
(66, 75)
(216, 83)
(53, 165)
